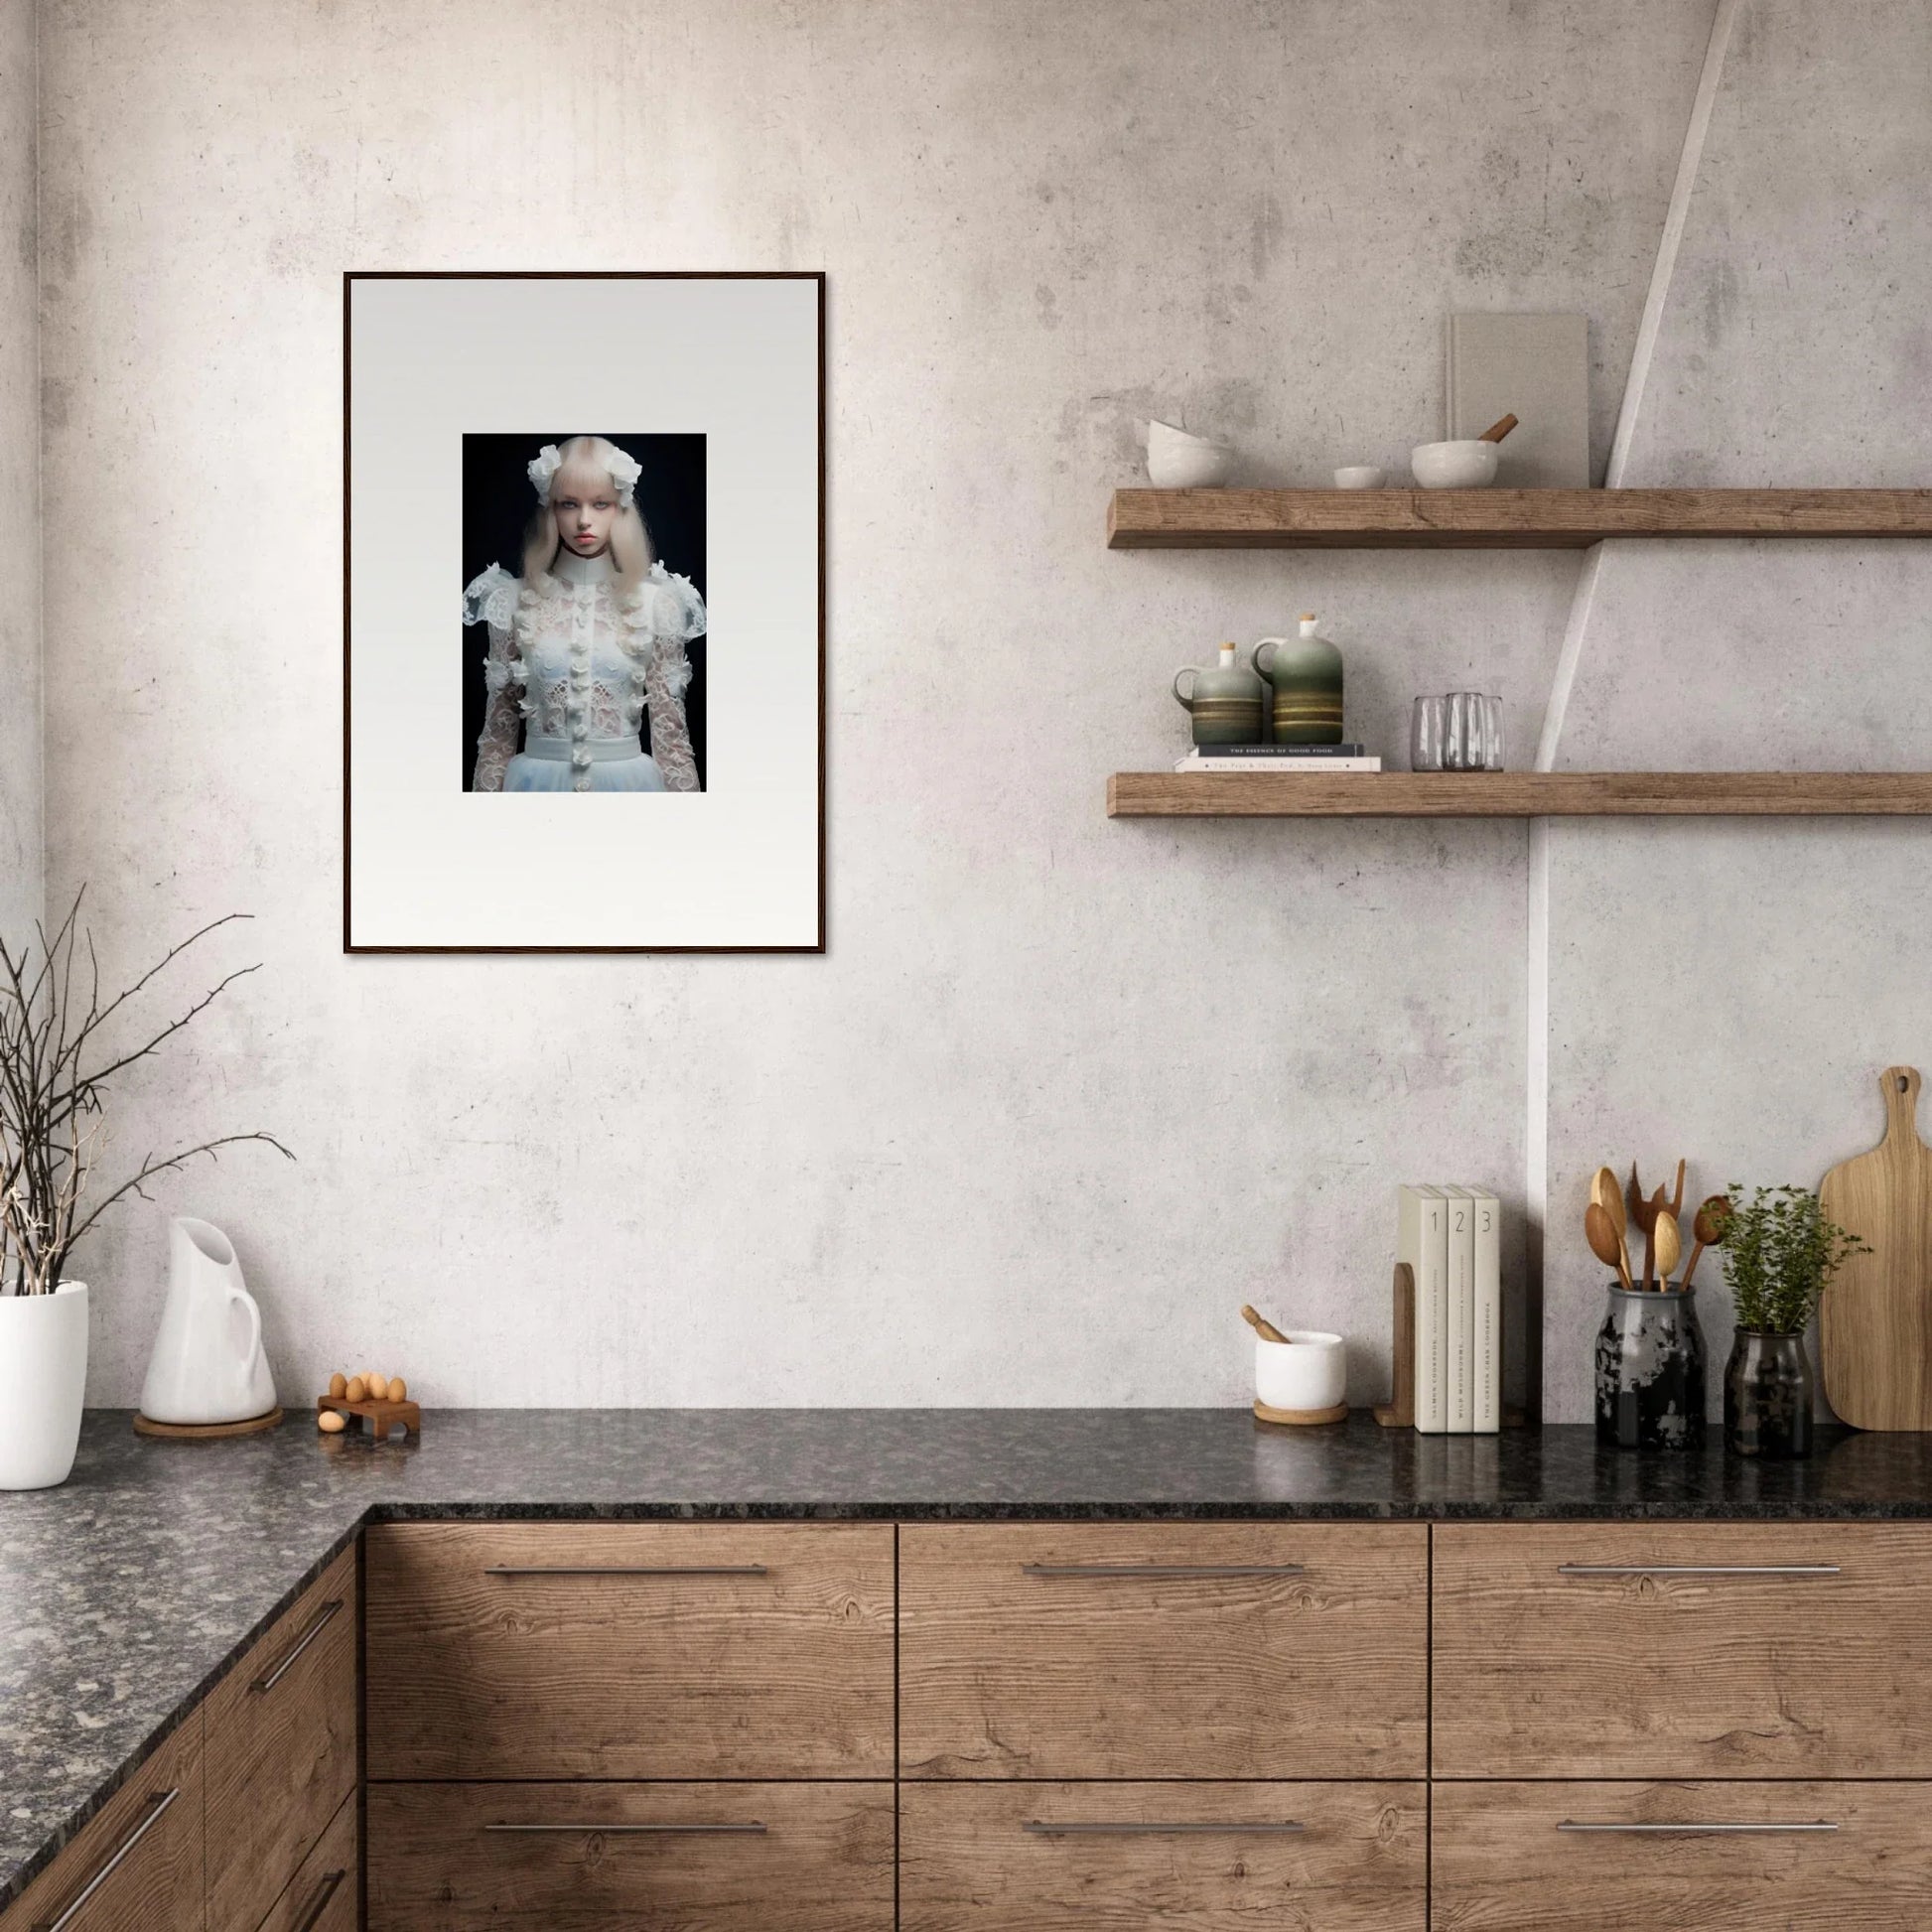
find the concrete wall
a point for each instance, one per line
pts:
(1064, 1092)
(20, 456)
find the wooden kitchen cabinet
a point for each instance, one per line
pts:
(630, 1651)
(1592, 1856)
(1712, 1650)
(1163, 1650)
(136, 1865)
(742, 1856)
(1119, 1857)
(323, 1896)
(281, 1751)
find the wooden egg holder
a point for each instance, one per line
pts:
(1399, 1412)
(376, 1417)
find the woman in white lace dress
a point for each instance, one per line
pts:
(588, 644)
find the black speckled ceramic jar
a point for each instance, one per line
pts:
(1767, 1396)
(1650, 1371)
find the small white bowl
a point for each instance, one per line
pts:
(1454, 465)
(1309, 1370)
(1359, 476)
(1177, 461)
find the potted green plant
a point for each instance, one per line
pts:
(62, 1042)
(1780, 1254)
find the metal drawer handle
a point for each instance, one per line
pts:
(319, 1903)
(1698, 1570)
(1163, 1570)
(157, 1802)
(1247, 1828)
(1815, 1825)
(281, 1670)
(627, 1570)
(606, 1831)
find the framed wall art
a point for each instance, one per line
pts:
(584, 634)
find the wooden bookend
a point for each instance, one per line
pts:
(1399, 1412)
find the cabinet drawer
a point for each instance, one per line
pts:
(1683, 1650)
(281, 1751)
(1510, 1858)
(985, 1857)
(573, 1857)
(1213, 1650)
(136, 1866)
(652, 1650)
(323, 1894)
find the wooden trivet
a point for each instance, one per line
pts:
(1302, 1418)
(205, 1431)
(376, 1417)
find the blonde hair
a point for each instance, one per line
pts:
(586, 466)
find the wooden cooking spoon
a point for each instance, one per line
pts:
(1497, 430)
(1604, 1191)
(1638, 1203)
(1707, 1229)
(1655, 1210)
(1677, 1196)
(1605, 1241)
(1670, 1245)
(1259, 1323)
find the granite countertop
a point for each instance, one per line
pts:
(127, 1593)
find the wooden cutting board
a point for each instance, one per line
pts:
(1875, 1326)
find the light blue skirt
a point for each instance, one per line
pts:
(619, 765)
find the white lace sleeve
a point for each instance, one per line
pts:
(676, 610)
(491, 599)
(662, 615)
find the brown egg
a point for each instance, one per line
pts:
(378, 1387)
(331, 1421)
(357, 1391)
(398, 1389)
(338, 1386)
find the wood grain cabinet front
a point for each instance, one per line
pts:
(638, 1650)
(1714, 1650)
(326, 1891)
(1107, 1858)
(136, 1866)
(584, 1858)
(281, 1751)
(1845, 1857)
(1196, 1650)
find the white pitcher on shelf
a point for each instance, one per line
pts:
(207, 1364)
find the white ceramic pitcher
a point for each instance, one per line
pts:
(207, 1363)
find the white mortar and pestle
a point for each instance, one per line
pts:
(1300, 1374)
(1467, 464)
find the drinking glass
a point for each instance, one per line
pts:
(1464, 730)
(1492, 734)
(1426, 731)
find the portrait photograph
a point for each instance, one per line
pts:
(582, 569)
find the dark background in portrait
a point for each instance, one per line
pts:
(498, 502)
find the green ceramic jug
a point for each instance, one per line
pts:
(1305, 673)
(1225, 702)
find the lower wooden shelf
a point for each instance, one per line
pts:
(1518, 795)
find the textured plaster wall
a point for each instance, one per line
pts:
(1732, 992)
(1064, 1092)
(20, 451)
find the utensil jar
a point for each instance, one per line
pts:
(1650, 1360)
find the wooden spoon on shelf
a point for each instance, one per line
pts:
(1707, 1230)
(1605, 1243)
(1259, 1323)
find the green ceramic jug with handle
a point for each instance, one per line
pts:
(1225, 702)
(1305, 672)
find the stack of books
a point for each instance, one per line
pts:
(1278, 758)
(1448, 1237)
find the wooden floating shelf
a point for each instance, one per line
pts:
(1518, 795)
(1498, 519)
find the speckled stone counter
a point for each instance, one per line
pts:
(127, 1593)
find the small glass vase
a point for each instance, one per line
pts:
(1767, 1396)
(1650, 1389)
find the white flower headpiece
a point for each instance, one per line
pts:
(625, 472)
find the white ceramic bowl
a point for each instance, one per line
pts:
(1177, 461)
(1309, 1370)
(1454, 465)
(1359, 476)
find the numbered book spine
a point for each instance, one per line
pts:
(1459, 1210)
(1488, 1416)
(1423, 1242)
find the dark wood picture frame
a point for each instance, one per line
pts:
(349, 278)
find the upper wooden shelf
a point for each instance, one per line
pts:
(1517, 794)
(1498, 519)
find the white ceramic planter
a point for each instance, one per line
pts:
(1307, 1371)
(43, 1378)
